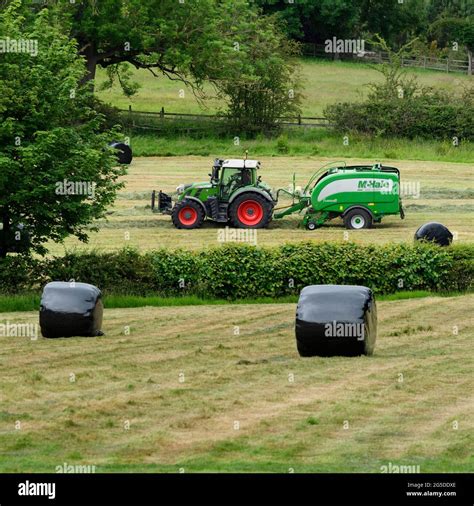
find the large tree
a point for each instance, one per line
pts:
(227, 43)
(56, 173)
(189, 40)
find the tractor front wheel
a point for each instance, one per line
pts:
(250, 211)
(187, 214)
(357, 219)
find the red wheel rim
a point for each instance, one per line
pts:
(188, 216)
(250, 212)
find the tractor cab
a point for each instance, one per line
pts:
(232, 174)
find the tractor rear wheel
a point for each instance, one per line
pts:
(250, 210)
(357, 219)
(187, 214)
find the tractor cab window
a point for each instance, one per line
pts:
(231, 180)
(246, 177)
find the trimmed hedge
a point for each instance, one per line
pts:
(241, 271)
(404, 118)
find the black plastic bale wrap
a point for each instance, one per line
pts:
(336, 320)
(71, 309)
(434, 232)
(124, 152)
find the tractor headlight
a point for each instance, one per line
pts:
(180, 189)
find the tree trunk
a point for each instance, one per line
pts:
(90, 55)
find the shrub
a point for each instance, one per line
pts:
(176, 272)
(399, 106)
(412, 118)
(125, 271)
(240, 271)
(282, 144)
(243, 271)
(19, 273)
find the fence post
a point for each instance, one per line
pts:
(162, 113)
(299, 119)
(447, 64)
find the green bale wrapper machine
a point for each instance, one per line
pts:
(359, 194)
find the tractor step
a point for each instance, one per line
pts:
(222, 214)
(217, 210)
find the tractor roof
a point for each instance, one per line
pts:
(241, 164)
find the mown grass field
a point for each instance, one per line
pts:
(446, 195)
(324, 82)
(185, 390)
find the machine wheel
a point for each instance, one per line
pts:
(311, 225)
(187, 214)
(250, 210)
(357, 219)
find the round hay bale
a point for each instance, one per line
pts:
(124, 152)
(336, 320)
(70, 309)
(434, 232)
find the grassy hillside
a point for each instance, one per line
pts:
(324, 83)
(221, 388)
(446, 195)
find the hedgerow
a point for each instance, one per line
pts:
(242, 271)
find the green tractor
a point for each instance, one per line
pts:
(234, 194)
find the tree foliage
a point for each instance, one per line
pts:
(318, 20)
(49, 133)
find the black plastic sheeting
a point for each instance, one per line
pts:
(336, 320)
(18, 238)
(71, 309)
(434, 232)
(124, 152)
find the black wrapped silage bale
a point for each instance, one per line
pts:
(336, 320)
(71, 309)
(124, 152)
(434, 232)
